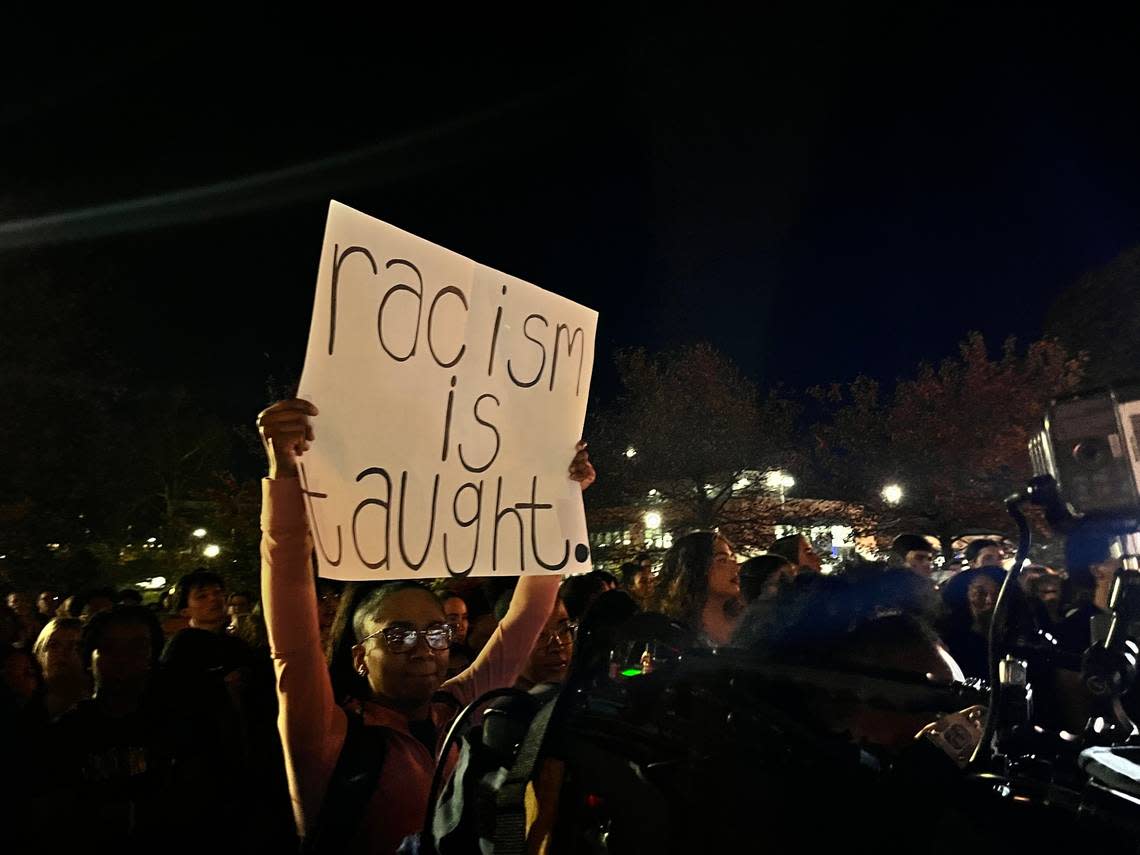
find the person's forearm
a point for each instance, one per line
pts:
(311, 725)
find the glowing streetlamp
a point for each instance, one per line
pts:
(892, 494)
(780, 481)
(631, 452)
(212, 550)
(199, 533)
(653, 520)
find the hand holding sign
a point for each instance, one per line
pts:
(286, 434)
(581, 469)
(451, 395)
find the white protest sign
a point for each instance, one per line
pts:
(451, 398)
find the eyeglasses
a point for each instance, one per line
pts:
(564, 635)
(402, 639)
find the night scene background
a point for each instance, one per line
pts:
(818, 195)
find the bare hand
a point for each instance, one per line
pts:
(581, 469)
(286, 434)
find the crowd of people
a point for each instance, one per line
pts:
(312, 714)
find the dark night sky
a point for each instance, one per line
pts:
(818, 194)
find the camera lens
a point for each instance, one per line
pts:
(1088, 451)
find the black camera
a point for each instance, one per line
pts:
(1090, 445)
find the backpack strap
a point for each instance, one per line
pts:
(510, 801)
(351, 787)
(428, 840)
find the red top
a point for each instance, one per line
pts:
(313, 726)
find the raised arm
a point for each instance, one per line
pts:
(312, 725)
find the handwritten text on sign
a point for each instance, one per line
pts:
(451, 397)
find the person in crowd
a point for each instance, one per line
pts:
(66, 682)
(144, 752)
(1045, 591)
(985, 553)
(481, 625)
(402, 643)
(207, 656)
(579, 591)
(699, 586)
(93, 601)
(914, 552)
(70, 607)
(239, 607)
(953, 565)
(27, 615)
(455, 612)
(637, 580)
(202, 600)
(609, 581)
(1092, 569)
(880, 588)
(969, 600)
(808, 612)
(10, 627)
(1029, 574)
(47, 604)
(128, 597)
(328, 600)
(553, 650)
(899, 590)
(205, 646)
(762, 577)
(239, 603)
(796, 549)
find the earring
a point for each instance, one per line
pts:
(362, 670)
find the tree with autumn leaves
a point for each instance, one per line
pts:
(689, 432)
(953, 436)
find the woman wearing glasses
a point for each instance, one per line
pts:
(359, 781)
(550, 659)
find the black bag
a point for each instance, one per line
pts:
(481, 808)
(352, 784)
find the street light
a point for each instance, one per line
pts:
(212, 550)
(653, 520)
(892, 494)
(631, 452)
(780, 481)
(199, 532)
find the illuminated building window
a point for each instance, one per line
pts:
(607, 537)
